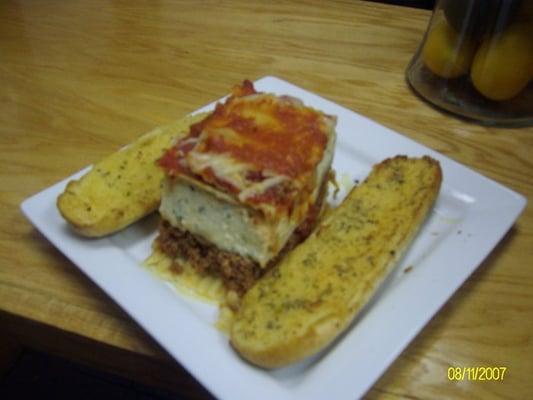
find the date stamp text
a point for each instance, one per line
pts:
(476, 373)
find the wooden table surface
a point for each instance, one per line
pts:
(78, 79)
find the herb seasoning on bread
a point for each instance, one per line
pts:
(123, 187)
(313, 294)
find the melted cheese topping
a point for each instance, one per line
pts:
(260, 148)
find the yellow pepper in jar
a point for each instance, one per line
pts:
(446, 53)
(503, 64)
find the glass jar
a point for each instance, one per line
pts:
(476, 60)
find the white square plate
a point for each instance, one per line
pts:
(470, 216)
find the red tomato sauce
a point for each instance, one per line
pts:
(266, 132)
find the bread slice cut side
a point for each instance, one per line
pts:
(303, 304)
(123, 187)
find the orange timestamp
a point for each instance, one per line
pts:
(476, 373)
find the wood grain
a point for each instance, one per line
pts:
(95, 75)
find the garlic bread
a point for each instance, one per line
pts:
(123, 187)
(304, 303)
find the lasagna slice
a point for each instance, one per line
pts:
(245, 185)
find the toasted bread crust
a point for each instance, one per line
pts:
(302, 305)
(123, 187)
